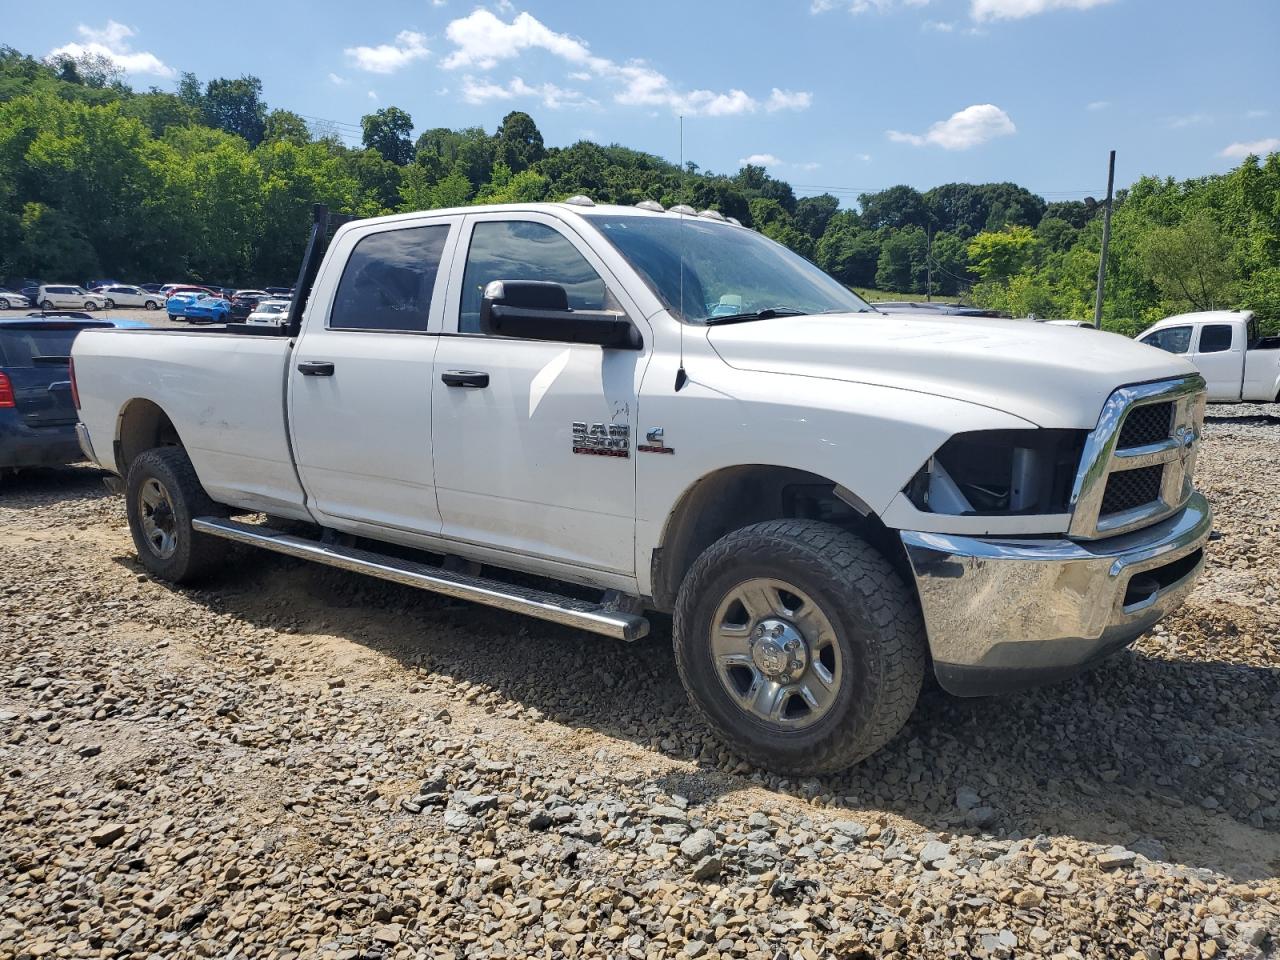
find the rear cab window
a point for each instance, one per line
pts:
(29, 347)
(1215, 337)
(389, 279)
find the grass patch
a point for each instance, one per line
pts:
(872, 295)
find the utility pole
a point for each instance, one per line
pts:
(928, 260)
(1106, 241)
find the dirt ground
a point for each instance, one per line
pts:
(294, 762)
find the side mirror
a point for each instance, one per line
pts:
(536, 310)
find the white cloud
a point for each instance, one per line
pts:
(1259, 148)
(788, 100)
(862, 6)
(552, 96)
(761, 160)
(1017, 9)
(336, 80)
(864, 157)
(112, 42)
(1189, 120)
(390, 57)
(1097, 105)
(1256, 114)
(964, 129)
(938, 26)
(481, 40)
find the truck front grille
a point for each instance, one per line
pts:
(1146, 425)
(1138, 462)
(1130, 489)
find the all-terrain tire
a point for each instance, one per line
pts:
(874, 615)
(193, 555)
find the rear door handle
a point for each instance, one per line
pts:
(316, 368)
(465, 378)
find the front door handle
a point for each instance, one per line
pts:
(465, 378)
(316, 368)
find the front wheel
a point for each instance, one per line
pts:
(162, 495)
(800, 645)
(90, 306)
(151, 305)
(109, 304)
(173, 318)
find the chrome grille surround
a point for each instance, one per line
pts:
(1103, 457)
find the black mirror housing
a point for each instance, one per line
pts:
(537, 310)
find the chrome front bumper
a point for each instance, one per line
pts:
(1003, 614)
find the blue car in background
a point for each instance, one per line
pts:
(198, 308)
(37, 404)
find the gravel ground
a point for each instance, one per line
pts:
(299, 762)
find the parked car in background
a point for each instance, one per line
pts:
(50, 296)
(13, 300)
(121, 295)
(151, 287)
(30, 292)
(244, 302)
(279, 291)
(95, 284)
(80, 315)
(271, 313)
(37, 408)
(169, 289)
(1236, 361)
(1064, 323)
(198, 308)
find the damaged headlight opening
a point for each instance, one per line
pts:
(996, 472)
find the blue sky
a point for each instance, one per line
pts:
(849, 94)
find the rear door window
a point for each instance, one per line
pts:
(388, 281)
(1215, 337)
(1170, 339)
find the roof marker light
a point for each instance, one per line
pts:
(653, 205)
(685, 209)
(578, 200)
(712, 215)
(735, 221)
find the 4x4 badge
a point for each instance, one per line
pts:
(654, 443)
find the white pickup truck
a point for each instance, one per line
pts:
(1226, 346)
(654, 410)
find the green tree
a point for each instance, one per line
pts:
(235, 106)
(896, 208)
(53, 245)
(388, 131)
(849, 252)
(286, 126)
(814, 213)
(1190, 264)
(903, 263)
(518, 143)
(998, 255)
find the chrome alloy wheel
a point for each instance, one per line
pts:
(776, 653)
(159, 526)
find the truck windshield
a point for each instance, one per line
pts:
(728, 271)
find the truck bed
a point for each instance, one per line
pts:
(224, 392)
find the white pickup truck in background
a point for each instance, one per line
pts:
(1236, 361)
(656, 410)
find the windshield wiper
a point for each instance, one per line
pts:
(768, 313)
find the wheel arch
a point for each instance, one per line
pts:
(142, 425)
(730, 498)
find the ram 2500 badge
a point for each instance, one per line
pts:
(664, 411)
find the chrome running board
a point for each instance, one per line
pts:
(534, 603)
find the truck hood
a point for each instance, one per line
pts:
(1053, 376)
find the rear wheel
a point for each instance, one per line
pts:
(109, 304)
(800, 645)
(173, 318)
(4, 304)
(162, 495)
(46, 305)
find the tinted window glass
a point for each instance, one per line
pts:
(520, 250)
(388, 280)
(1215, 338)
(1172, 339)
(20, 348)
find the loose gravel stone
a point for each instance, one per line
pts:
(477, 784)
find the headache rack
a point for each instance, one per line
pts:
(323, 226)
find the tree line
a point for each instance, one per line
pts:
(209, 183)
